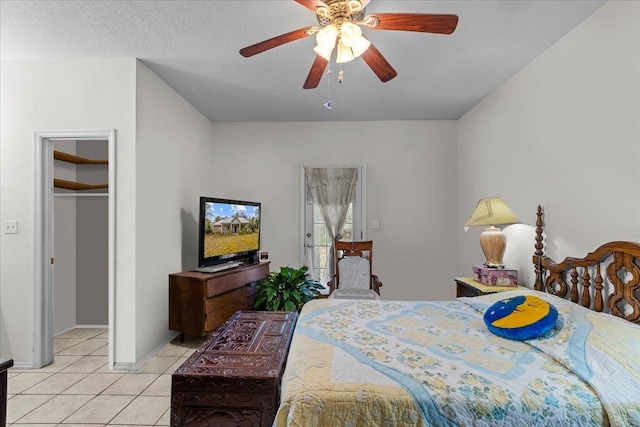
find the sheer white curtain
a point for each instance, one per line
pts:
(333, 190)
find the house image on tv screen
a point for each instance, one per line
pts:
(230, 225)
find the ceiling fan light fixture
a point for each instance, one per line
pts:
(345, 54)
(360, 46)
(326, 39)
(354, 44)
(325, 53)
(350, 34)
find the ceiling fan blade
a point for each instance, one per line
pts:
(378, 64)
(278, 41)
(311, 4)
(419, 22)
(316, 73)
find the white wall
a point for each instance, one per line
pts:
(60, 95)
(172, 143)
(411, 184)
(564, 133)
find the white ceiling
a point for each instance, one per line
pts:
(193, 46)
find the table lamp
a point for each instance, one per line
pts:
(490, 212)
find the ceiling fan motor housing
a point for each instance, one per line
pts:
(339, 11)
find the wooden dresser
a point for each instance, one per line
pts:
(200, 302)
(234, 378)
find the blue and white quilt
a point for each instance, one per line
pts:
(391, 363)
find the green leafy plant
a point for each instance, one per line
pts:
(287, 289)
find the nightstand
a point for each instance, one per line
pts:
(467, 287)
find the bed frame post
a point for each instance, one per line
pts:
(539, 253)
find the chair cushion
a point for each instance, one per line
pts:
(354, 273)
(521, 317)
(354, 294)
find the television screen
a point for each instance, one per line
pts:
(229, 230)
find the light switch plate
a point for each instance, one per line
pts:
(375, 224)
(11, 226)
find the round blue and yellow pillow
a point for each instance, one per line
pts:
(521, 317)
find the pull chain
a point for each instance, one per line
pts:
(327, 104)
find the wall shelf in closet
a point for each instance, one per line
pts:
(70, 185)
(70, 158)
(77, 186)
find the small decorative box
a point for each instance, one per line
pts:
(495, 276)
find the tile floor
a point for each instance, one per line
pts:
(78, 389)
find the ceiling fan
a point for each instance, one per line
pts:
(339, 27)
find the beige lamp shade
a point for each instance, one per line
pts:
(492, 211)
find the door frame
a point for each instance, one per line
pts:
(362, 168)
(43, 239)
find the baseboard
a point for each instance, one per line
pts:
(65, 331)
(117, 366)
(123, 366)
(135, 366)
(22, 365)
(82, 327)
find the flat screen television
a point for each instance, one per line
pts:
(229, 233)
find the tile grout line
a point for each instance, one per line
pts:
(53, 396)
(164, 367)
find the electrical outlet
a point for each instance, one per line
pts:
(11, 226)
(375, 224)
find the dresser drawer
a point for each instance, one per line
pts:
(216, 318)
(250, 290)
(219, 285)
(219, 301)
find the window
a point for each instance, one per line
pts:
(321, 243)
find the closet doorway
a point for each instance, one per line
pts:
(74, 233)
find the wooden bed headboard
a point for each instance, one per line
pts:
(619, 259)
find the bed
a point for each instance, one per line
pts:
(434, 363)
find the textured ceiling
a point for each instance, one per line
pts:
(193, 46)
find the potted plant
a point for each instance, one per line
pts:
(287, 289)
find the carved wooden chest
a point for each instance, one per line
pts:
(234, 378)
